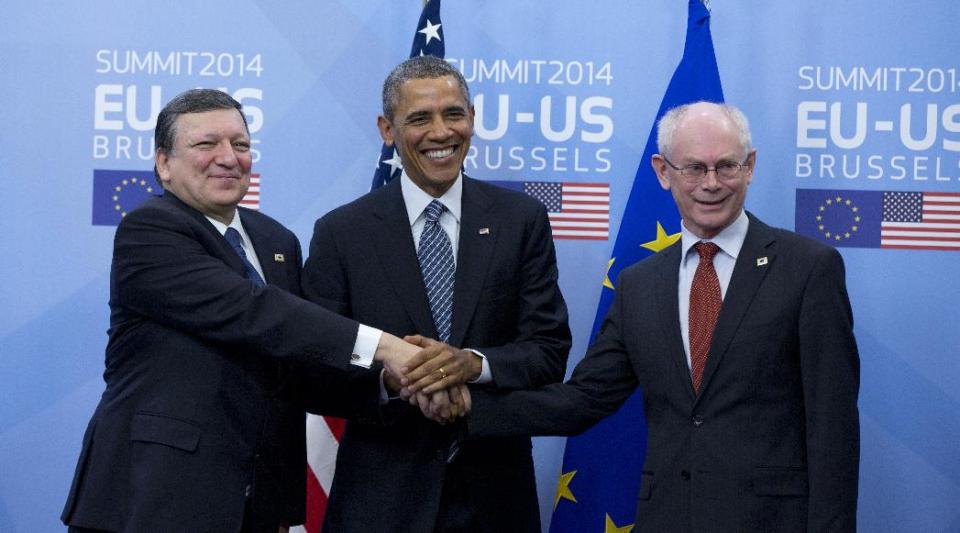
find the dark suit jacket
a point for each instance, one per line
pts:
(772, 441)
(363, 264)
(201, 412)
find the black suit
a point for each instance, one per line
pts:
(772, 441)
(363, 264)
(202, 416)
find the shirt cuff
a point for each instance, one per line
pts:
(486, 375)
(366, 346)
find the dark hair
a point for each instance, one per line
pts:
(192, 101)
(418, 68)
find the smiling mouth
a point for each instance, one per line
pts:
(440, 153)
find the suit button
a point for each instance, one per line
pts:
(684, 474)
(697, 420)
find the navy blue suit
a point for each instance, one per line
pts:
(203, 416)
(771, 443)
(363, 264)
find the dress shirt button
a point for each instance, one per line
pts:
(684, 474)
(697, 420)
(247, 491)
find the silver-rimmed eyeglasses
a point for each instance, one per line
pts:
(696, 172)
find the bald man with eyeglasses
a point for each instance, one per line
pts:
(740, 336)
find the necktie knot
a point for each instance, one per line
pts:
(433, 211)
(233, 237)
(706, 250)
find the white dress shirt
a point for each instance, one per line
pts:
(730, 240)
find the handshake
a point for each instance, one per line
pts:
(429, 374)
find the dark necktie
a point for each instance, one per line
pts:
(705, 300)
(436, 265)
(233, 237)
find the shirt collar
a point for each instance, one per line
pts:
(235, 223)
(416, 199)
(730, 239)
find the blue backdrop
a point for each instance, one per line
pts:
(846, 97)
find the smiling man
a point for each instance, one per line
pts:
(740, 337)
(201, 425)
(471, 265)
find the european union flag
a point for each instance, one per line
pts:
(117, 192)
(841, 218)
(427, 41)
(601, 468)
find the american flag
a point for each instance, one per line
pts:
(323, 433)
(576, 210)
(920, 221)
(427, 41)
(251, 200)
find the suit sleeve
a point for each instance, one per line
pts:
(538, 354)
(354, 393)
(163, 272)
(830, 370)
(600, 383)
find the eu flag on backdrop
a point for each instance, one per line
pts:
(600, 477)
(427, 41)
(117, 192)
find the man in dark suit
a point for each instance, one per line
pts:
(751, 404)
(201, 425)
(503, 320)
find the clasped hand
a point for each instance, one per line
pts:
(434, 379)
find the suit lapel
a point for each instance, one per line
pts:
(478, 238)
(667, 307)
(226, 252)
(394, 246)
(756, 258)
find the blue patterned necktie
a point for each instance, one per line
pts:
(233, 237)
(436, 265)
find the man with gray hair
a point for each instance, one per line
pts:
(471, 268)
(740, 337)
(201, 425)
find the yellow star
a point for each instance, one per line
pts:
(662, 241)
(610, 527)
(606, 275)
(563, 488)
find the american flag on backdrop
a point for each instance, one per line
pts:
(323, 433)
(251, 200)
(427, 41)
(577, 210)
(880, 219)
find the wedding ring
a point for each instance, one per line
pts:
(443, 374)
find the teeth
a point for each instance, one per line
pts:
(438, 154)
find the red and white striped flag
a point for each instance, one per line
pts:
(251, 200)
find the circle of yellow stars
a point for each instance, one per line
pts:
(130, 182)
(841, 203)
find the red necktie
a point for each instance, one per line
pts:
(705, 303)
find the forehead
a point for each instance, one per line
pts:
(215, 123)
(706, 134)
(430, 92)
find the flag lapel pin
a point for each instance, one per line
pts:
(279, 258)
(484, 231)
(762, 261)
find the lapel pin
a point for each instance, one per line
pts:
(762, 261)
(278, 258)
(484, 231)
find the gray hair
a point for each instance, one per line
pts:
(192, 101)
(418, 68)
(667, 125)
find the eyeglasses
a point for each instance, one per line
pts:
(726, 170)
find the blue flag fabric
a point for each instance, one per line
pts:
(601, 470)
(427, 41)
(117, 192)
